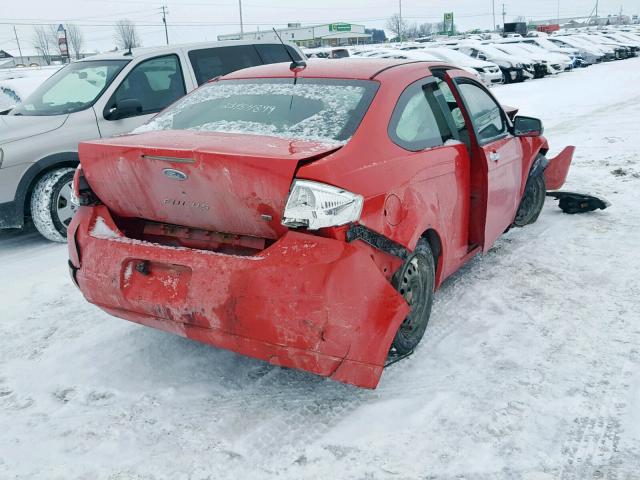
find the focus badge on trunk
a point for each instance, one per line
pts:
(175, 174)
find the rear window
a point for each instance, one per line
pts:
(275, 53)
(325, 110)
(212, 62)
(209, 63)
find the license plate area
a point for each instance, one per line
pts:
(151, 285)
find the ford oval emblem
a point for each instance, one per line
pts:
(175, 174)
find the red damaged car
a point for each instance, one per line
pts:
(305, 216)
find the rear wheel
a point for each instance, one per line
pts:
(532, 201)
(415, 281)
(51, 206)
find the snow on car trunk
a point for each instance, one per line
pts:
(217, 182)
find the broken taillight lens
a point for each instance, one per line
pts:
(82, 193)
(316, 205)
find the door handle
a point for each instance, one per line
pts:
(494, 156)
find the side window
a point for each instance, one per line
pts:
(275, 53)
(209, 63)
(418, 122)
(486, 115)
(155, 83)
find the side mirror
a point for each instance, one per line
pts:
(527, 127)
(129, 107)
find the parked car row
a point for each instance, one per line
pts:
(496, 59)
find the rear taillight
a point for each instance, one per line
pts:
(315, 205)
(82, 193)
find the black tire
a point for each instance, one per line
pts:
(532, 201)
(51, 208)
(415, 280)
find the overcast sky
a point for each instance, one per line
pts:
(197, 20)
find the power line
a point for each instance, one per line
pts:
(188, 23)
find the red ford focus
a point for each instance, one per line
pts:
(306, 217)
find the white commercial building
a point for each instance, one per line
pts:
(327, 35)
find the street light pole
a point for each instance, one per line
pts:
(494, 14)
(504, 14)
(241, 24)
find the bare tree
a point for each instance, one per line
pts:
(426, 29)
(75, 39)
(396, 25)
(42, 43)
(126, 35)
(411, 32)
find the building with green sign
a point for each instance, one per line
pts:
(326, 35)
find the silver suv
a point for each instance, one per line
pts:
(100, 96)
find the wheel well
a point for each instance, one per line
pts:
(39, 175)
(435, 243)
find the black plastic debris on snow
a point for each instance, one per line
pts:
(571, 202)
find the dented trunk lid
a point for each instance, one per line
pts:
(220, 182)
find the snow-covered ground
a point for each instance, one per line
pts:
(530, 368)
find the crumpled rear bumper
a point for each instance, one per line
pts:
(305, 302)
(556, 172)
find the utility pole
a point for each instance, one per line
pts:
(18, 42)
(241, 23)
(164, 20)
(494, 14)
(558, 12)
(596, 9)
(400, 20)
(504, 14)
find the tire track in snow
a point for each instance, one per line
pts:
(592, 447)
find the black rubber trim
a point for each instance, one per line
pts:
(73, 271)
(539, 164)
(376, 240)
(437, 65)
(9, 215)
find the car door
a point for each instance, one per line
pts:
(497, 153)
(155, 83)
(439, 162)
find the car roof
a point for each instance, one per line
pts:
(166, 49)
(347, 68)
